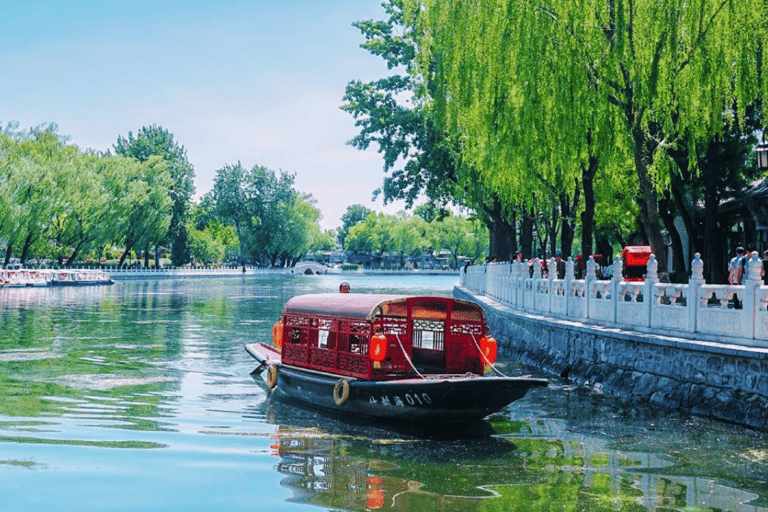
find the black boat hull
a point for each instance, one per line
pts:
(442, 398)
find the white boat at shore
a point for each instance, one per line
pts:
(79, 278)
(22, 278)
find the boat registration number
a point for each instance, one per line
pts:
(400, 401)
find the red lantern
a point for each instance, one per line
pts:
(378, 348)
(488, 348)
(277, 335)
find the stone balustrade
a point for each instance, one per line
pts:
(697, 348)
(736, 313)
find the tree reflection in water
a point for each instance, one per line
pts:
(502, 464)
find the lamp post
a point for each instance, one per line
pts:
(762, 155)
(759, 209)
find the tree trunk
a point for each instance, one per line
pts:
(554, 228)
(568, 229)
(513, 234)
(714, 269)
(8, 254)
(603, 246)
(123, 256)
(499, 231)
(678, 260)
(588, 215)
(649, 207)
(25, 249)
(526, 236)
(75, 253)
(685, 215)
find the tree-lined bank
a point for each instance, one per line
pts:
(571, 125)
(62, 205)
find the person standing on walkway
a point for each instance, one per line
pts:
(765, 267)
(736, 266)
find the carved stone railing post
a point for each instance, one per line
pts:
(536, 279)
(751, 284)
(569, 277)
(589, 280)
(551, 276)
(570, 273)
(651, 279)
(616, 279)
(694, 287)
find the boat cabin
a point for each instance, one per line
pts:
(382, 337)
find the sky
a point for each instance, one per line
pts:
(258, 82)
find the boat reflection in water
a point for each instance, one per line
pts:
(520, 466)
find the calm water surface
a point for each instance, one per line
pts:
(138, 397)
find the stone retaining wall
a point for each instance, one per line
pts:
(716, 380)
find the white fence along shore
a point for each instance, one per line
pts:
(732, 314)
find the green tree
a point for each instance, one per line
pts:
(545, 90)
(157, 141)
(299, 230)
(460, 237)
(274, 223)
(399, 114)
(142, 192)
(402, 130)
(211, 241)
(271, 201)
(230, 196)
(83, 222)
(411, 236)
(373, 236)
(355, 213)
(33, 173)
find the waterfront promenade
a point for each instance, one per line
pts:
(695, 347)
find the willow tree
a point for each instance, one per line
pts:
(553, 91)
(420, 157)
(508, 83)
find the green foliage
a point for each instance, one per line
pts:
(542, 94)
(355, 213)
(390, 112)
(60, 202)
(461, 237)
(274, 223)
(157, 141)
(403, 235)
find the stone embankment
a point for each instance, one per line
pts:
(716, 380)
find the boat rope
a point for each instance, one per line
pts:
(483, 356)
(397, 337)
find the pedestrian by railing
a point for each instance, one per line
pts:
(734, 314)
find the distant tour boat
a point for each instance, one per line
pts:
(392, 357)
(79, 277)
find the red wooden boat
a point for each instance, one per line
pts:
(388, 356)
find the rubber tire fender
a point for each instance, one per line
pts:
(272, 376)
(341, 392)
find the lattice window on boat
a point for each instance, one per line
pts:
(295, 337)
(467, 328)
(428, 334)
(297, 321)
(321, 328)
(352, 337)
(392, 326)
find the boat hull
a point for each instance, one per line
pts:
(442, 398)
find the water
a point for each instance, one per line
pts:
(138, 397)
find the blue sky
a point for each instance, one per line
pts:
(257, 81)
